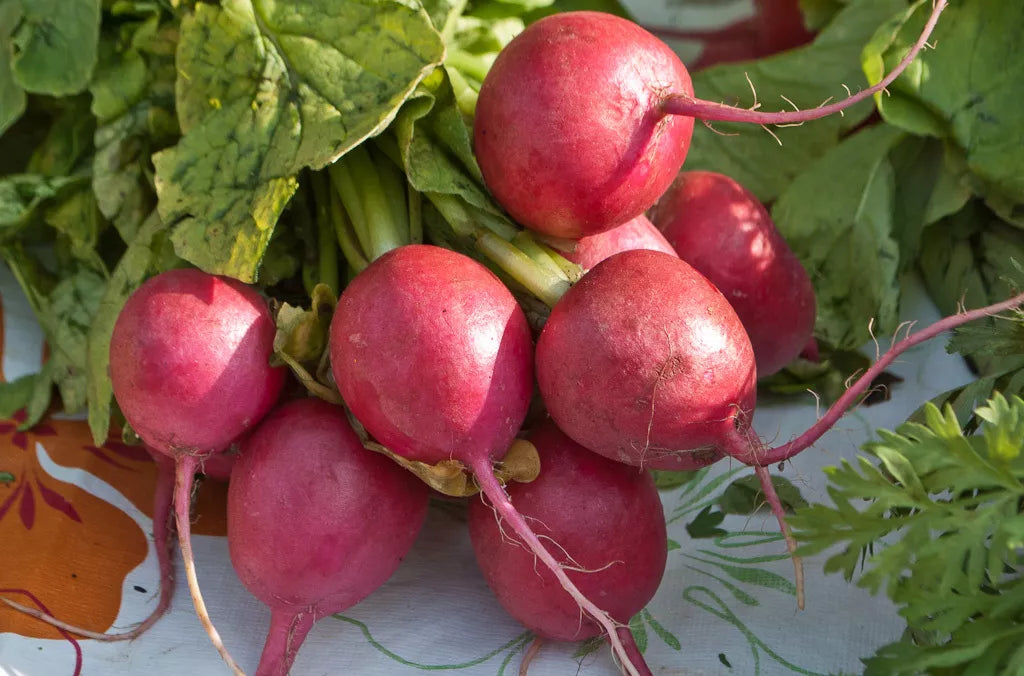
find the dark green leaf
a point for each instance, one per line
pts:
(22, 194)
(12, 96)
(14, 395)
(960, 91)
(55, 45)
(967, 260)
(266, 89)
(846, 241)
(74, 303)
(6, 478)
(130, 272)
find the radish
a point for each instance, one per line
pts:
(638, 233)
(645, 362)
(585, 119)
(611, 522)
(315, 521)
(723, 231)
(433, 356)
(190, 368)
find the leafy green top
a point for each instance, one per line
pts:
(949, 509)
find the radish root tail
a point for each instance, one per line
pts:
(531, 652)
(775, 503)
(684, 104)
(186, 469)
(631, 664)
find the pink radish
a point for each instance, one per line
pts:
(434, 357)
(638, 233)
(315, 521)
(190, 367)
(606, 514)
(645, 362)
(585, 119)
(722, 230)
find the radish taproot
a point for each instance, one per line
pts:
(609, 526)
(315, 521)
(190, 369)
(721, 229)
(638, 233)
(585, 119)
(433, 355)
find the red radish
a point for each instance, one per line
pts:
(190, 368)
(722, 230)
(645, 362)
(638, 233)
(585, 119)
(315, 521)
(434, 357)
(611, 522)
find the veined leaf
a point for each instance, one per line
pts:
(265, 89)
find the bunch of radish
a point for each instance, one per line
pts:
(650, 361)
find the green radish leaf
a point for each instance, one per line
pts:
(74, 303)
(931, 185)
(266, 89)
(68, 141)
(21, 195)
(846, 242)
(42, 395)
(133, 100)
(12, 96)
(14, 395)
(130, 272)
(55, 45)
(436, 145)
(960, 92)
(969, 260)
(806, 76)
(78, 219)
